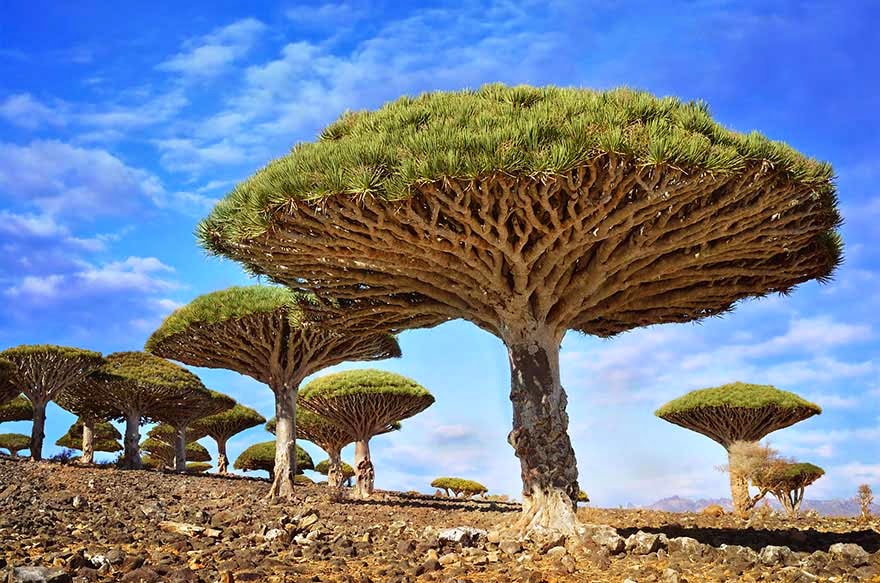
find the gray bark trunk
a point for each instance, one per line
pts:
(334, 469)
(222, 460)
(285, 444)
(180, 448)
(363, 468)
(37, 430)
(132, 457)
(88, 442)
(739, 489)
(540, 437)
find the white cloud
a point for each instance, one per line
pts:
(25, 111)
(335, 14)
(114, 119)
(37, 287)
(860, 473)
(212, 54)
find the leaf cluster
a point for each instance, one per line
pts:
(142, 368)
(223, 425)
(736, 395)
(14, 442)
(364, 381)
(323, 467)
(261, 456)
(18, 409)
(197, 467)
(159, 450)
(460, 486)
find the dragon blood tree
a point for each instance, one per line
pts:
(265, 333)
(164, 455)
(365, 403)
(787, 482)
(8, 391)
(344, 472)
(329, 437)
(459, 487)
(14, 443)
(80, 400)
(261, 456)
(138, 387)
(18, 409)
(197, 467)
(734, 413)
(42, 372)
(529, 212)
(90, 436)
(221, 426)
(194, 405)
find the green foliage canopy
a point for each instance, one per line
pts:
(164, 452)
(167, 434)
(225, 424)
(323, 467)
(364, 381)
(261, 456)
(496, 129)
(8, 390)
(14, 442)
(460, 486)
(737, 395)
(197, 467)
(18, 409)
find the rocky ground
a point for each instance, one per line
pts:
(64, 523)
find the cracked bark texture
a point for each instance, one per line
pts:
(272, 349)
(609, 246)
(88, 441)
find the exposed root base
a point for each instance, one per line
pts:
(547, 513)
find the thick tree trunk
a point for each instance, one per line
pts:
(285, 444)
(222, 460)
(739, 490)
(363, 468)
(131, 459)
(88, 442)
(180, 448)
(334, 469)
(540, 437)
(37, 430)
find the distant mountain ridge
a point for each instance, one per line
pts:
(835, 507)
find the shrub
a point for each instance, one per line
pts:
(459, 486)
(866, 498)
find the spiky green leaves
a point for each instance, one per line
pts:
(145, 369)
(460, 486)
(496, 129)
(14, 442)
(18, 409)
(261, 456)
(229, 304)
(227, 423)
(364, 381)
(737, 411)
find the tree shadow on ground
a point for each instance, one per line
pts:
(425, 501)
(805, 541)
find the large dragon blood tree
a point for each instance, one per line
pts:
(137, 387)
(221, 426)
(365, 403)
(737, 413)
(194, 405)
(89, 436)
(42, 372)
(266, 333)
(18, 409)
(530, 212)
(330, 437)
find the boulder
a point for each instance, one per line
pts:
(850, 553)
(774, 555)
(466, 536)
(645, 543)
(608, 539)
(687, 547)
(31, 574)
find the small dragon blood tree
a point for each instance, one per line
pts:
(164, 455)
(14, 443)
(364, 403)
(328, 436)
(197, 467)
(42, 372)
(787, 482)
(80, 400)
(194, 405)
(344, 473)
(531, 211)
(459, 487)
(138, 387)
(734, 413)
(18, 409)
(102, 436)
(221, 426)
(261, 456)
(266, 333)
(8, 391)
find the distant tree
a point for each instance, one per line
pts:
(345, 472)
(583, 498)
(865, 498)
(79, 399)
(303, 479)
(104, 437)
(164, 454)
(787, 482)
(737, 412)
(364, 403)
(261, 456)
(18, 409)
(222, 426)
(14, 443)
(531, 211)
(138, 387)
(459, 487)
(8, 390)
(195, 404)
(42, 372)
(266, 333)
(197, 467)
(166, 433)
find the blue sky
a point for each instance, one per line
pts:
(120, 127)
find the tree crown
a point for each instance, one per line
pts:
(462, 485)
(8, 391)
(195, 451)
(737, 395)
(197, 467)
(99, 444)
(229, 304)
(363, 381)
(261, 456)
(18, 409)
(323, 467)
(782, 475)
(229, 422)
(29, 350)
(497, 129)
(14, 442)
(145, 369)
(167, 434)
(101, 430)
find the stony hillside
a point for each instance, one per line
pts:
(835, 507)
(64, 523)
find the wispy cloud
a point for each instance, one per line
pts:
(23, 110)
(212, 54)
